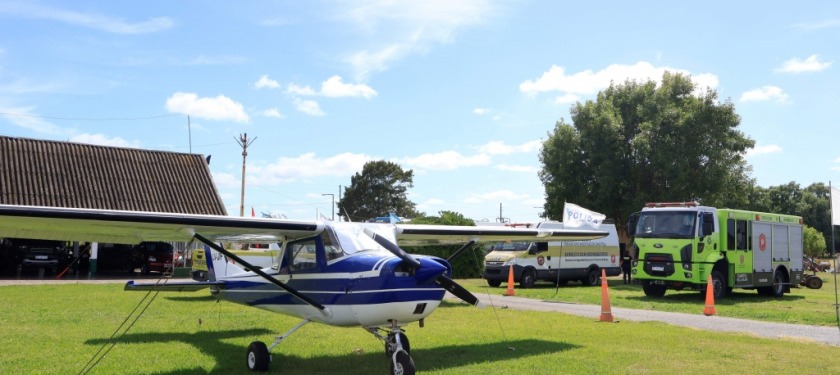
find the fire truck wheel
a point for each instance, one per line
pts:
(719, 283)
(653, 290)
(778, 284)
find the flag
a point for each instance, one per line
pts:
(835, 206)
(576, 216)
(252, 212)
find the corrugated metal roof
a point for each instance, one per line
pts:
(62, 174)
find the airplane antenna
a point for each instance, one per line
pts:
(244, 143)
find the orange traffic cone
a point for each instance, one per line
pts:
(709, 310)
(606, 312)
(510, 291)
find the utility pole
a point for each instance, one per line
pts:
(244, 143)
(333, 204)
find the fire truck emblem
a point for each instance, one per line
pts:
(762, 242)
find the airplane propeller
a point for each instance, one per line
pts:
(445, 282)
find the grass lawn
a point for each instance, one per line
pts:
(57, 329)
(800, 306)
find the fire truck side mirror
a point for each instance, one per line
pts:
(631, 224)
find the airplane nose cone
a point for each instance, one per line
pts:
(430, 269)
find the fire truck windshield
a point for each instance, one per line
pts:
(666, 224)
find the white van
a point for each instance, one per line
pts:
(556, 261)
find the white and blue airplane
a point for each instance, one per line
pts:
(336, 273)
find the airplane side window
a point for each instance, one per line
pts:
(303, 255)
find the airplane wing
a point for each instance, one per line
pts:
(129, 227)
(408, 234)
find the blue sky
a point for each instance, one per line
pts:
(461, 92)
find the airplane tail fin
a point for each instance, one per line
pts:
(218, 265)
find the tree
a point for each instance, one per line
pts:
(380, 188)
(813, 242)
(643, 142)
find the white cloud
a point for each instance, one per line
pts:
(810, 64)
(333, 87)
(273, 113)
(765, 93)
(764, 149)
(267, 83)
(310, 107)
(220, 108)
(501, 148)
(409, 27)
(480, 111)
(307, 166)
(588, 82)
(431, 206)
(445, 161)
(294, 89)
(103, 140)
(91, 20)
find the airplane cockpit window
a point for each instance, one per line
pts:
(331, 246)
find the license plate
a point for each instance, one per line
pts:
(41, 257)
(658, 268)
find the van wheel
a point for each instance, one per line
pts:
(494, 283)
(528, 279)
(592, 278)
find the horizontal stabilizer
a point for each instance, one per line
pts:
(182, 286)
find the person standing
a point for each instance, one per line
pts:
(626, 264)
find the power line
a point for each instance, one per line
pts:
(88, 119)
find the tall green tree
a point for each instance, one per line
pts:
(380, 188)
(646, 142)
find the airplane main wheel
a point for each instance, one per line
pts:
(258, 357)
(402, 364)
(391, 343)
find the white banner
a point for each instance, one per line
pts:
(575, 216)
(835, 206)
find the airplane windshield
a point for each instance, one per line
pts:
(352, 238)
(666, 224)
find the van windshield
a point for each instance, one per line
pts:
(510, 246)
(666, 224)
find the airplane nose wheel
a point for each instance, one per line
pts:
(402, 364)
(258, 357)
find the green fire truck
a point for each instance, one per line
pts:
(679, 245)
